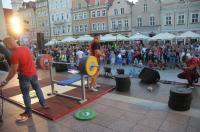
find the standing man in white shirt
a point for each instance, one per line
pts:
(79, 55)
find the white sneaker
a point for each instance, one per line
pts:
(191, 87)
(93, 89)
(98, 86)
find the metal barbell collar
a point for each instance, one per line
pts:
(57, 62)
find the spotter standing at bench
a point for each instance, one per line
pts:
(22, 63)
(94, 48)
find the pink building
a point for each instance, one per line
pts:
(98, 10)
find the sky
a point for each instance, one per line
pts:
(7, 3)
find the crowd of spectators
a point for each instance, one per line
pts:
(154, 55)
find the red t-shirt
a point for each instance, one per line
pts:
(193, 62)
(22, 56)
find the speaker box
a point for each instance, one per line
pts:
(148, 75)
(40, 41)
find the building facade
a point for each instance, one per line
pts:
(16, 5)
(8, 14)
(146, 17)
(60, 18)
(179, 16)
(98, 16)
(80, 17)
(2, 21)
(27, 16)
(42, 19)
(119, 17)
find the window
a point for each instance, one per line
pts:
(98, 26)
(168, 19)
(181, 19)
(57, 16)
(103, 12)
(126, 23)
(139, 20)
(62, 16)
(54, 30)
(85, 28)
(113, 24)
(116, 12)
(93, 13)
(98, 13)
(103, 26)
(63, 29)
(58, 31)
(79, 5)
(122, 10)
(85, 15)
(145, 7)
(52, 17)
(75, 16)
(97, 2)
(152, 20)
(119, 24)
(56, 4)
(67, 16)
(76, 28)
(68, 28)
(81, 28)
(94, 27)
(195, 18)
(80, 16)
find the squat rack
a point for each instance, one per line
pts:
(68, 82)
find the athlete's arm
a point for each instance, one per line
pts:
(12, 72)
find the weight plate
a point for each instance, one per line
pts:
(90, 62)
(82, 65)
(44, 61)
(85, 114)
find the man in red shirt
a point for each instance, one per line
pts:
(95, 51)
(22, 63)
(190, 71)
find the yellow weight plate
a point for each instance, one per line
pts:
(90, 62)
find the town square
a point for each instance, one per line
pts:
(100, 65)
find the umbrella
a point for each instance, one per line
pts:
(138, 36)
(189, 34)
(108, 37)
(69, 39)
(163, 36)
(85, 38)
(52, 42)
(121, 38)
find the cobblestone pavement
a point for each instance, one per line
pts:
(135, 111)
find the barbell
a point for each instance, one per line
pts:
(87, 65)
